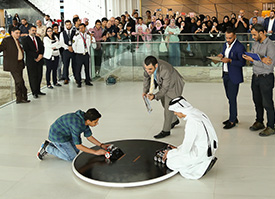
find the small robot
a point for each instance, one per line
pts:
(113, 153)
(160, 153)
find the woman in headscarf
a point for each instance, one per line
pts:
(157, 32)
(225, 24)
(172, 31)
(195, 156)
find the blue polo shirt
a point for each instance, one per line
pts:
(69, 127)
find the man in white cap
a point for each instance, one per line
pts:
(195, 156)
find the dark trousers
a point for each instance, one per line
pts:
(169, 116)
(231, 91)
(35, 71)
(20, 88)
(82, 60)
(262, 92)
(67, 56)
(98, 60)
(52, 67)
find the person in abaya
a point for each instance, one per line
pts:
(196, 155)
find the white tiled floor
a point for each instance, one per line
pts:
(245, 167)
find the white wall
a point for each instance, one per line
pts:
(92, 9)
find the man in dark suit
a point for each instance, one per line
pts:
(269, 25)
(170, 84)
(14, 63)
(232, 73)
(66, 41)
(34, 49)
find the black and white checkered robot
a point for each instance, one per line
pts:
(113, 153)
(160, 153)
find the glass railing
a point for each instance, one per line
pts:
(124, 59)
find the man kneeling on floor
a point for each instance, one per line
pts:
(65, 132)
(195, 156)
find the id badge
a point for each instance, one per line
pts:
(52, 58)
(70, 43)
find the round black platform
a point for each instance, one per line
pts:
(136, 168)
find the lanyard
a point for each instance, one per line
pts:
(84, 40)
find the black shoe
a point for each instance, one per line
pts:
(162, 134)
(226, 121)
(89, 84)
(50, 86)
(174, 124)
(78, 85)
(256, 126)
(23, 101)
(42, 151)
(57, 84)
(229, 125)
(40, 93)
(35, 96)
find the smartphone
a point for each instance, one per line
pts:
(126, 12)
(136, 10)
(170, 9)
(240, 16)
(158, 10)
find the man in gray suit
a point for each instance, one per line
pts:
(170, 84)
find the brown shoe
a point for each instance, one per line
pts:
(267, 132)
(257, 126)
(66, 81)
(23, 101)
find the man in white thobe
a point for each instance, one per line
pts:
(195, 156)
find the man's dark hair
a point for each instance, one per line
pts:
(91, 114)
(75, 19)
(97, 21)
(54, 25)
(139, 18)
(24, 19)
(150, 60)
(254, 18)
(123, 16)
(68, 21)
(14, 29)
(258, 27)
(47, 16)
(230, 30)
(148, 11)
(32, 26)
(272, 11)
(82, 24)
(104, 19)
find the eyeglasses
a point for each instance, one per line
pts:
(49, 31)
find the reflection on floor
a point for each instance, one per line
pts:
(245, 168)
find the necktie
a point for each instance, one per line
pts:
(35, 44)
(152, 85)
(69, 35)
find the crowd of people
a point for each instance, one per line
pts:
(46, 43)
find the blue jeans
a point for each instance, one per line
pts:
(66, 150)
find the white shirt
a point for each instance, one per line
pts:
(226, 55)
(270, 24)
(144, 27)
(79, 44)
(49, 45)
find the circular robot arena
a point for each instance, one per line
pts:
(128, 163)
